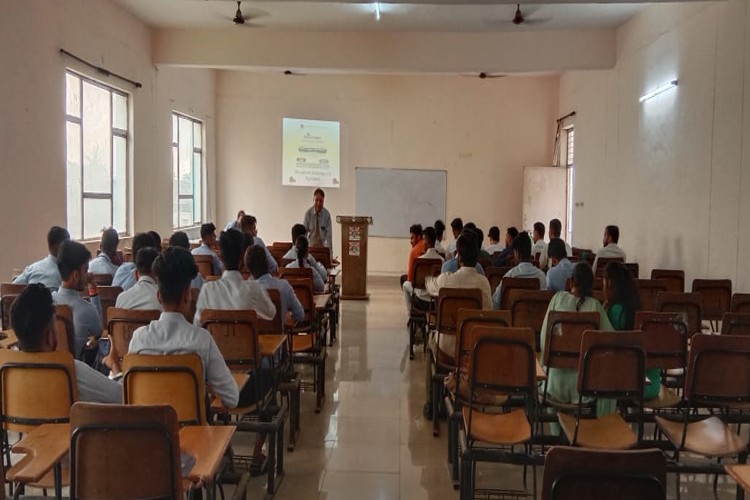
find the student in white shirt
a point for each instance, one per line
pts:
(180, 239)
(555, 228)
(494, 237)
(33, 321)
(107, 261)
(539, 247)
(610, 250)
(457, 225)
(301, 261)
(439, 234)
(208, 241)
(144, 294)
(125, 275)
(256, 262)
(422, 296)
(297, 231)
(524, 269)
(45, 271)
(248, 227)
(232, 291)
(561, 269)
(235, 224)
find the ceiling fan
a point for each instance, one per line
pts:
(240, 19)
(483, 75)
(519, 18)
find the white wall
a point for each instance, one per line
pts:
(32, 120)
(483, 132)
(673, 172)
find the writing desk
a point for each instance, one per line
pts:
(740, 473)
(271, 343)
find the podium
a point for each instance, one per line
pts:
(354, 256)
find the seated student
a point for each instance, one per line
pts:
(418, 247)
(248, 229)
(208, 241)
(257, 263)
(610, 250)
(562, 382)
(483, 254)
(33, 321)
(297, 231)
(524, 269)
(301, 262)
(439, 234)
(143, 294)
(73, 262)
(157, 240)
(561, 268)
(539, 247)
(503, 258)
(125, 275)
(253, 223)
(232, 291)
(235, 224)
(423, 298)
(180, 239)
(555, 227)
(495, 245)
(107, 261)
(45, 271)
(457, 225)
(452, 265)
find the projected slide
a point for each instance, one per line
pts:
(311, 153)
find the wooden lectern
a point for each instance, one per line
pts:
(354, 256)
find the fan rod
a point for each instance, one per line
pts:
(101, 70)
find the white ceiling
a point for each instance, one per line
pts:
(396, 17)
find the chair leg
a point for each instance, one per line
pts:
(271, 486)
(466, 486)
(411, 339)
(435, 405)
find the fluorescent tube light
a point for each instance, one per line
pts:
(658, 90)
(377, 11)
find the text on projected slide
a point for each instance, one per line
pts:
(311, 153)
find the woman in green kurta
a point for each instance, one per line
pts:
(621, 304)
(562, 383)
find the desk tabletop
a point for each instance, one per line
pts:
(44, 447)
(271, 343)
(207, 444)
(321, 300)
(740, 473)
(540, 373)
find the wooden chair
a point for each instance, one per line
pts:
(688, 303)
(578, 473)
(8, 294)
(283, 245)
(529, 308)
(235, 335)
(283, 263)
(277, 253)
(740, 303)
(634, 269)
(613, 365)
(322, 255)
(103, 279)
(108, 298)
(509, 284)
(107, 452)
(64, 329)
(602, 262)
(287, 273)
(194, 292)
(716, 299)
(450, 301)
(121, 325)
(205, 265)
(711, 380)
(423, 268)
(494, 275)
(276, 324)
(735, 324)
(647, 290)
(674, 278)
(173, 379)
(503, 360)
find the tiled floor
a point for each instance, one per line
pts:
(371, 441)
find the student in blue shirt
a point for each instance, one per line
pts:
(208, 240)
(125, 275)
(107, 261)
(45, 271)
(562, 268)
(257, 263)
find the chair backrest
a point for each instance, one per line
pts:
(688, 303)
(277, 253)
(717, 370)
(665, 338)
(36, 388)
(119, 451)
(122, 323)
(716, 297)
(295, 272)
(647, 291)
(450, 300)
(423, 268)
(740, 303)
(205, 264)
(8, 294)
(103, 279)
(528, 309)
(235, 335)
(275, 325)
(65, 329)
(194, 292)
(173, 379)
(581, 473)
(563, 337)
(495, 275)
(613, 364)
(303, 289)
(283, 245)
(634, 269)
(675, 278)
(735, 324)
(514, 284)
(601, 264)
(12, 288)
(322, 255)
(108, 298)
(468, 319)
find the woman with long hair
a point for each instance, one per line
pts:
(302, 246)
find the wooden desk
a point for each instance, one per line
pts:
(321, 301)
(9, 339)
(270, 344)
(207, 444)
(740, 473)
(540, 373)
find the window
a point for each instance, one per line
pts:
(187, 171)
(569, 156)
(96, 131)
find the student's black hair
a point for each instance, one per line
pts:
(556, 248)
(55, 236)
(175, 269)
(144, 259)
(457, 224)
(480, 237)
(522, 245)
(256, 261)
(319, 192)
(467, 249)
(240, 213)
(512, 231)
(470, 225)
(302, 246)
(71, 256)
(207, 230)
(494, 233)
(439, 229)
(614, 233)
(30, 314)
(416, 229)
(231, 244)
(156, 237)
(583, 280)
(298, 230)
(555, 227)
(143, 240)
(430, 236)
(625, 292)
(110, 240)
(539, 228)
(246, 222)
(180, 239)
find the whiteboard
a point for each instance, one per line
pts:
(398, 198)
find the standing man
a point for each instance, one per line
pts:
(318, 222)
